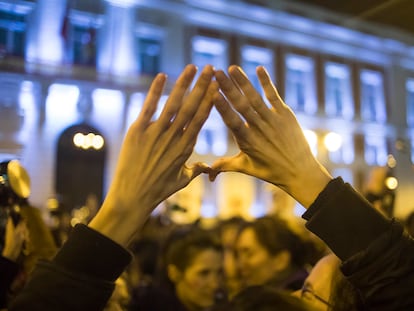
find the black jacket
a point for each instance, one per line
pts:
(377, 256)
(80, 277)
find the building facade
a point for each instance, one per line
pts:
(73, 76)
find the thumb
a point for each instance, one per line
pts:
(199, 168)
(227, 164)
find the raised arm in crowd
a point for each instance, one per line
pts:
(377, 257)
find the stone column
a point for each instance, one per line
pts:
(45, 41)
(118, 52)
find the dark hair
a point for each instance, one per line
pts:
(275, 235)
(146, 251)
(264, 298)
(344, 296)
(235, 221)
(182, 246)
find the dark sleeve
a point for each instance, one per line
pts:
(377, 256)
(344, 220)
(8, 271)
(80, 277)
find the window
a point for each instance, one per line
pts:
(338, 92)
(213, 135)
(375, 150)
(149, 55)
(206, 50)
(372, 96)
(12, 32)
(253, 56)
(300, 84)
(410, 102)
(344, 153)
(84, 45)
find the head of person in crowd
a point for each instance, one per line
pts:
(193, 266)
(120, 298)
(326, 288)
(228, 230)
(143, 268)
(14, 204)
(269, 252)
(409, 224)
(265, 298)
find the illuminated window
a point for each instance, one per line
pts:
(410, 102)
(149, 55)
(300, 84)
(61, 103)
(312, 139)
(338, 92)
(12, 32)
(213, 136)
(84, 45)
(372, 96)
(206, 50)
(344, 153)
(375, 150)
(253, 56)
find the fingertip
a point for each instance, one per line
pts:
(209, 68)
(233, 68)
(219, 74)
(191, 68)
(161, 77)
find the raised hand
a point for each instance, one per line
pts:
(152, 162)
(271, 141)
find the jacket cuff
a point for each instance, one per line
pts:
(344, 220)
(91, 253)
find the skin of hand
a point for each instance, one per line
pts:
(271, 142)
(14, 239)
(152, 160)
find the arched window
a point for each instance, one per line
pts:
(81, 155)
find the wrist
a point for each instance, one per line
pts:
(118, 222)
(311, 182)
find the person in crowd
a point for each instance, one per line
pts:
(264, 298)
(15, 237)
(227, 230)
(269, 252)
(409, 224)
(326, 288)
(190, 272)
(120, 298)
(141, 272)
(24, 236)
(376, 256)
